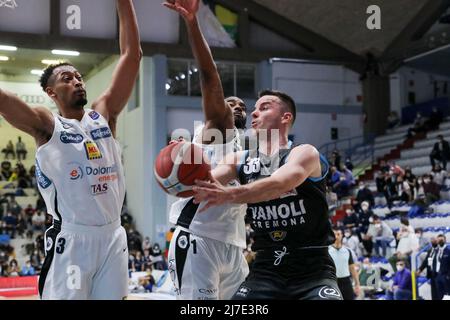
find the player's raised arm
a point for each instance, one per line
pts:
(112, 102)
(38, 122)
(302, 163)
(218, 114)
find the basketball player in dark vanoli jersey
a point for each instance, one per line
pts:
(285, 192)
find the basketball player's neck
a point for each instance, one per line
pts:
(272, 145)
(71, 113)
(337, 245)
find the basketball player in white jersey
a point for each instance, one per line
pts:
(80, 174)
(206, 258)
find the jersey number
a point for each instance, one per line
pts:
(61, 245)
(254, 166)
(194, 246)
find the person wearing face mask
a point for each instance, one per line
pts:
(351, 241)
(364, 194)
(402, 286)
(439, 175)
(443, 267)
(427, 265)
(380, 234)
(364, 216)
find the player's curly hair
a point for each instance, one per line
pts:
(48, 73)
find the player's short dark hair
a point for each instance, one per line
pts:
(48, 73)
(285, 98)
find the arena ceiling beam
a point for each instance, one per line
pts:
(316, 44)
(48, 42)
(411, 40)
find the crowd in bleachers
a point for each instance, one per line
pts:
(381, 222)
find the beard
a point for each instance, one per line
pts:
(80, 103)
(240, 122)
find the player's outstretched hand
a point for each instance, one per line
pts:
(212, 191)
(186, 8)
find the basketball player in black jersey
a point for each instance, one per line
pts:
(285, 192)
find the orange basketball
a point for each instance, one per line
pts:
(178, 165)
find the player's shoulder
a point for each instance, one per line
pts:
(305, 150)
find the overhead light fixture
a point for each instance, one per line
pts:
(4, 58)
(49, 61)
(168, 86)
(37, 72)
(8, 48)
(66, 53)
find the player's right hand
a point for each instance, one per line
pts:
(186, 8)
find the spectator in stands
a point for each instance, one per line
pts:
(126, 219)
(350, 220)
(443, 276)
(411, 179)
(21, 226)
(431, 189)
(342, 186)
(430, 264)
(10, 224)
(29, 212)
(364, 194)
(14, 270)
(380, 234)
(403, 190)
(384, 167)
(147, 260)
(402, 286)
(23, 181)
(32, 176)
(407, 244)
(146, 245)
(440, 152)
(345, 267)
(35, 259)
(131, 265)
(9, 150)
(381, 183)
(38, 221)
(348, 164)
(157, 258)
(351, 241)
(368, 278)
(393, 119)
(14, 207)
(28, 269)
(434, 119)
(139, 262)
(348, 176)
(395, 169)
(134, 240)
(332, 201)
(336, 158)
(439, 175)
(364, 215)
(418, 126)
(21, 149)
(422, 240)
(6, 171)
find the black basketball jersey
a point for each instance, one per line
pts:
(299, 218)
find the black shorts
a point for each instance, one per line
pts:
(298, 276)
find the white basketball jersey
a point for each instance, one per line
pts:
(224, 222)
(79, 171)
